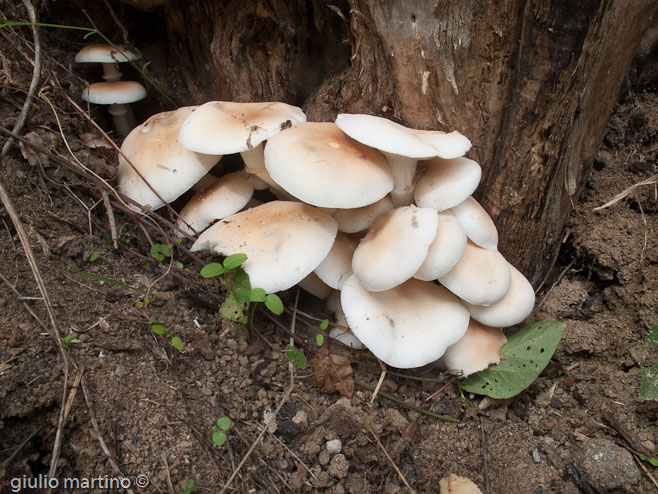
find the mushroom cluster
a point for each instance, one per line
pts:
(113, 91)
(376, 217)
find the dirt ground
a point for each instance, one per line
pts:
(137, 407)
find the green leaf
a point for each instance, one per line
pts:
(189, 487)
(94, 256)
(224, 423)
(239, 285)
(651, 340)
(324, 324)
(219, 438)
(319, 339)
(177, 343)
(160, 251)
(158, 329)
(234, 260)
(296, 356)
(69, 337)
(258, 295)
(179, 265)
(274, 304)
(522, 358)
(652, 461)
(233, 310)
(212, 269)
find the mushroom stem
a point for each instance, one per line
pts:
(111, 72)
(123, 118)
(254, 163)
(404, 171)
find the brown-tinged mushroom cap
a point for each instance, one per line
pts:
(475, 351)
(226, 196)
(446, 183)
(513, 308)
(320, 165)
(407, 326)
(403, 147)
(283, 240)
(395, 247)
(224, 127)
(480, 276)
(153, 149)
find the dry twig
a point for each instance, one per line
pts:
(34, 83)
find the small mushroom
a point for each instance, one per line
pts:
(320, 165)
(110, 56)
(480, 276)
(337, 266)
(407, 326)
(446, 248)
(513, 308)
(395, 247)
(169, 168)
(284, 242)
(475, 351)
(118, 95)
(226, 196)
(477, 223)
(356, 220)
(224, 127)
(446, 183)
(403, 147)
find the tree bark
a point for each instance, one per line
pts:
(531, 83)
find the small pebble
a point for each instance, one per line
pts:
(334, 446)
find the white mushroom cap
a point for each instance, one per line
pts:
(407, 326)
(395, 247)
(100, 53)
(446, 183)
(477, 223)
(114, 93)
(153, 149)
(513, 308)
(359, 219)
(480, 277)
(320, 165)
(391, 137)
(337, 266)
(226, 196)
(475, 351)
(403, 147)
(315, 286)
(223, 127)
(446, 249)
(284, 241)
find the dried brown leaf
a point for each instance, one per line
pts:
(333, 373)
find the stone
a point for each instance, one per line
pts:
(609, 466)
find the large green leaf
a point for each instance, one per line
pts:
(522, 358)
